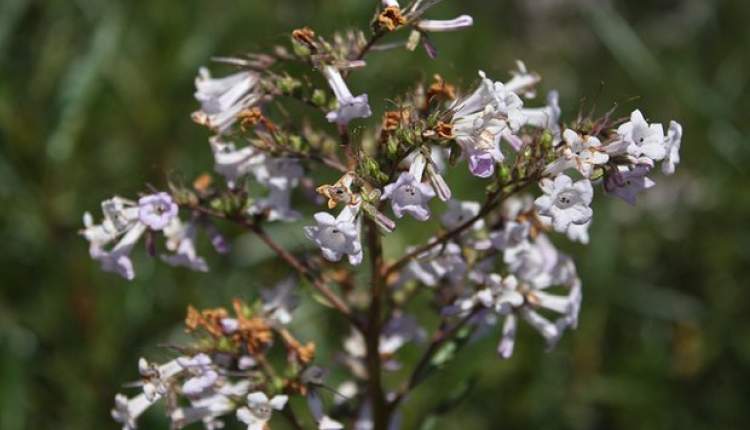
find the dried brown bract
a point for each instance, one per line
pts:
(391, 18)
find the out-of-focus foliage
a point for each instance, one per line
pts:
(95, 99)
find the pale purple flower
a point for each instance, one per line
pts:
(276, 206)
(535, 298)
(494, 95)
(441, 263)
(409, 195)
(481, 120)
(546, 118)
(203, 378)
(157, 210)
(339, 236)
(523, 82)
(459, 23)
(672, 144)
(224, 98)
(583, 153)
(259, 409)
(127, 411)
(181, 242)
(217, 239)
(512, 235)
(117, 260)
(350, 107)
(121, 219)
(499, 294)
(639, 139)
(534, 261)
(233, 163)
(430, 165)
(280, 173)
(211, 406)
(460, 212)
(206, 409)
(579, 232)
(565, 201)
(157, 378)
(628, 183)
(280, 176)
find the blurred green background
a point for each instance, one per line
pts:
(95, 98)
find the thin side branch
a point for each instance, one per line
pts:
(318, 282)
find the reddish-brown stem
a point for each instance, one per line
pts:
(441, 239)
(318, 282)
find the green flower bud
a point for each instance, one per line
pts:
(319, 97)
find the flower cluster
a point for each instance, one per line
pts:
(486, 263)
(226, 369)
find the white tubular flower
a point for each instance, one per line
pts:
(232, 163)
(260, 409)
(203, 378)
(499, 295)
(534, 262)
(639, 139)
(276, 205)
(460, 212)
(430, 165)
(280, 176)
(513, 235)
(339, 236)
(409, 195)
(459, 23)
(546, 118)
(205, 409)
(350, 107)
(534, 299)
(131, 220)
(224, 98)
(117, 260)
(579, 232)
(523, 82)
(127, 411)
(181, 242)
(582, 153)
(479, 122)
(157, 378)
(121, 217)
(502, 100)
(672, 144)
(566, 202)
(391, 3)
(441, 263)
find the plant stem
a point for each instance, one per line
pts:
(439, 339)
(318, 282)
(380, 410)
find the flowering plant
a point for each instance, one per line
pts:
(488, 263)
